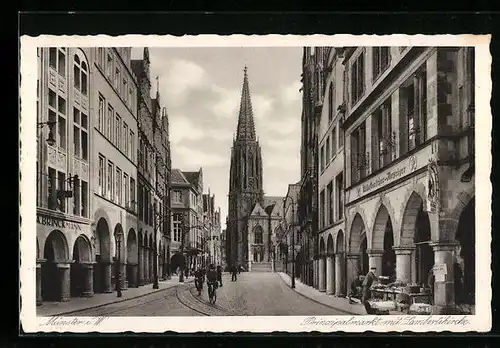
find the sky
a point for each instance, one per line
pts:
(201, 89)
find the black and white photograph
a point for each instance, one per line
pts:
(316, 180)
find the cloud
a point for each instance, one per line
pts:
(291, 92)
(183, 129)
(228, 103)
(283, 127)
(190, 159)
(262, 106)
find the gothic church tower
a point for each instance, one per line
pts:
(245, 179)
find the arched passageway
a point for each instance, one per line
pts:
(424, 255)
(414, 255)
(383, 241)
(81, 273)
(466, 257)
(151, 258)
(55, 269)
(330, 266)
(322, 265)
(140, 257)
(132, 258)
(102, 268)
(364, 262)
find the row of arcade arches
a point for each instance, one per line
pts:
(92, 267)
(416, 232)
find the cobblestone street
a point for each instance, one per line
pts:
(262, 293)
(259, 293)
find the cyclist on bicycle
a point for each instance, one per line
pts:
(198, 280)
(212, 282)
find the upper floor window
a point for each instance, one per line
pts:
(331, 102)
(359, 157)
(328, 157)
(322, 158)
(102, 114)
(80, 134)
(57, 60)
(334, 141)
(383, 140)
(109, 66)
(102, 175)
(177, 227)
(381, 58)
(413, 115)
(117, 78)
(339, 188)
(110, 122)
(177, 196)
(57, 113)
(357, 78)
(101, 56)
(80, 74)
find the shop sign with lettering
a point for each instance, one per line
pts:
(408, 166)
(52, 221)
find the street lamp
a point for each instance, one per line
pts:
(50, 140)
(293, 236)
(118, 237)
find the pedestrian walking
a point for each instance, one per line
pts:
(219, 275)
(234, 272)
(367, 283)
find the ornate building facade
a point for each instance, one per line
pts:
(313, 74)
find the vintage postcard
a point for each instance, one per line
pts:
(255, 183)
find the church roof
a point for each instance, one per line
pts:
(272, 200)
(246, 125)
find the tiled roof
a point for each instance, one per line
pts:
(192, 177)
(178, 177)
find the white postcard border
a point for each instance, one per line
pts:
(481, 321)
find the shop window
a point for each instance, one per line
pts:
(413, 111)
(381, 58)
(357, 78)
(359, 157)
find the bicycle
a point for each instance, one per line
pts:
(199, 285)
(212, 293)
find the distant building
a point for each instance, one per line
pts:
(187, 219)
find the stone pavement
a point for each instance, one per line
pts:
(263, 293)
(77, 304)
(338, 303)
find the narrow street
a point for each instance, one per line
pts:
(259, 293)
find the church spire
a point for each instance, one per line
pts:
(246, 126)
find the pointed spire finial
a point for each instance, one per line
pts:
(245, 70)
(246, 126)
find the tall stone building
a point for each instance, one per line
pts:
(313, 67)
(163, 166)
(245, 179)
(145, 170)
